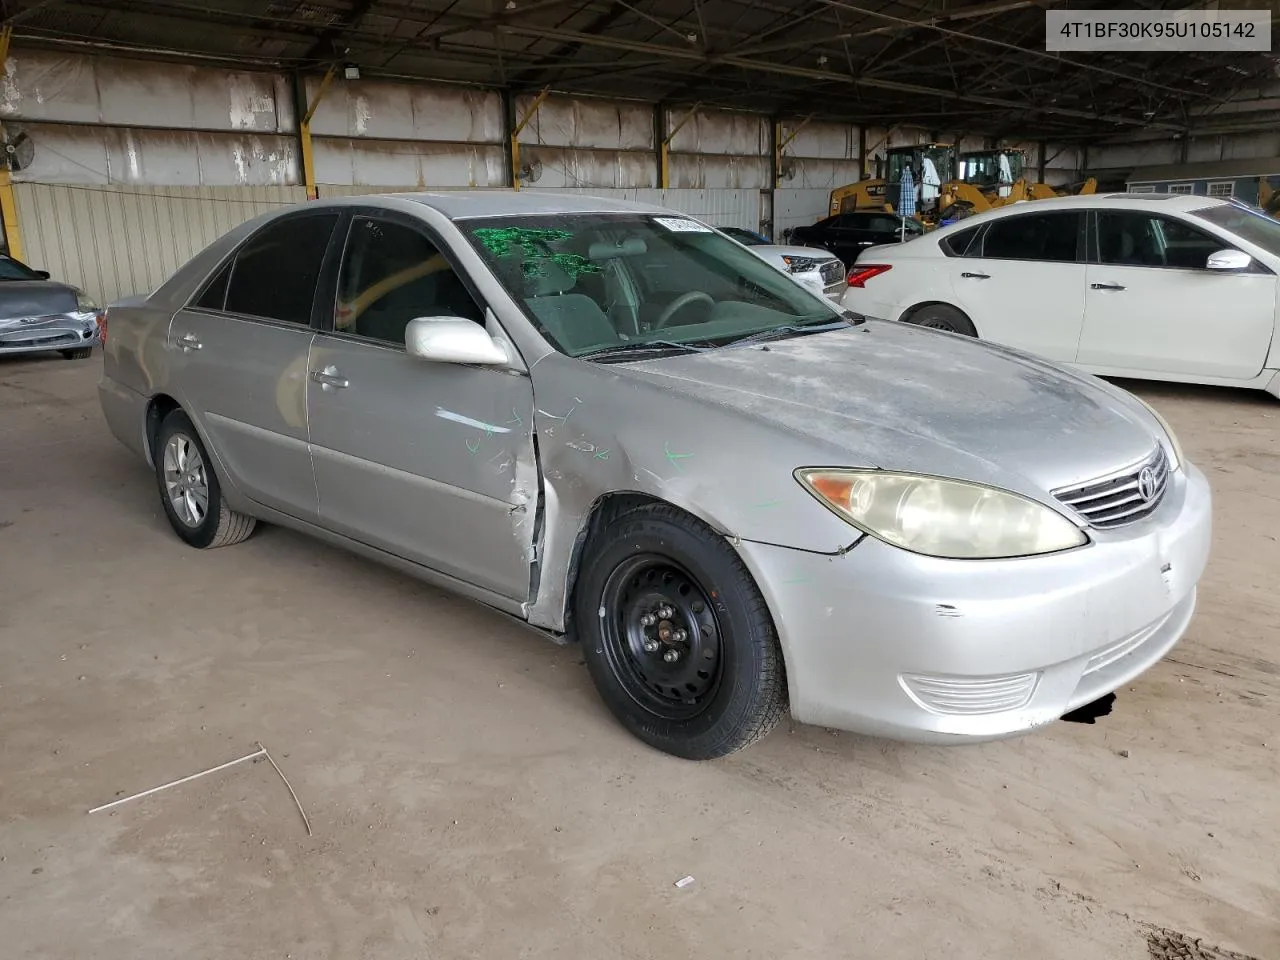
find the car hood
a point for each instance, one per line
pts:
(897, 397)
(780, 250)
(35, 298)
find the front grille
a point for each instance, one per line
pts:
(971, 696)
(832, 271)
(1120, 498)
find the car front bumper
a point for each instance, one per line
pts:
(886, 642)
(44, 334)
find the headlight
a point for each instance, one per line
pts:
(1175, 448)
(85, 303)
(942, 518)
(800, 264)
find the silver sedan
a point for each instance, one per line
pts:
(618, 425)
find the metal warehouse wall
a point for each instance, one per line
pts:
(117, 240)
(139, 164)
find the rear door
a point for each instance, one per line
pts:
(1022, 282)
(241, 359)
(432, 462)
(1153, 305)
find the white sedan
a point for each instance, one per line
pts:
(812, 267)
(1156, 286)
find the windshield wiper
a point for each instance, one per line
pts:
(642, 347)
(791, 330)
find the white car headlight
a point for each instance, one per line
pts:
(952, 519)
(1175, 448)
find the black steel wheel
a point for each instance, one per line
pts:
(661, 636)
(676, 636)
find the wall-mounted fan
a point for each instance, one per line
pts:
(530, 170)
(17, 149)
(787, 168)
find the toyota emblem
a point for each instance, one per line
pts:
(1147, 484)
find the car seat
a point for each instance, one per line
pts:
(573, 320)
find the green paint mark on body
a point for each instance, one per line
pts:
(675, 458)
(474, 447)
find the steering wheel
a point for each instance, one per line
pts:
(678, 304)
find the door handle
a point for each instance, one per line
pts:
(329, 379)
(976, 276)
(189, 342)
(1105, 286)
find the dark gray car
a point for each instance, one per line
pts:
(39, 315)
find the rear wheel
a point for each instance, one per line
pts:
(189, 489)
(676, 636)
(79, 353)
(940, 316)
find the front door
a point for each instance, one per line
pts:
(432, 462)
(1153, 305)
(240, 357)
(1022, 282)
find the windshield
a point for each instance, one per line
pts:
(11, 269)
(592, 281)
(1249, 224)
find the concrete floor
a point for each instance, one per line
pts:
(471, 798)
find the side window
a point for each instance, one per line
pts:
(215, 294)
(276, 273)
(1047, 237)
(1132, 239)
(392, 274)
(957, 244)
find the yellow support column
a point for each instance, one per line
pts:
(8, 201)
(515, 136)
(304, 136)
(664, 165)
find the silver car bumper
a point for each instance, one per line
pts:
(890, 643)
(42, 334)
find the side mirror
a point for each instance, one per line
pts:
(41, 274)
(452, 340)
(1229, 260)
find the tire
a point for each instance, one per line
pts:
(728, 688)
(79, 353)
(185, 478)
(939, 316)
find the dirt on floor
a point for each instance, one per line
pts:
(470, 797)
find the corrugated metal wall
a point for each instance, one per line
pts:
(139, 164)
(118, 240)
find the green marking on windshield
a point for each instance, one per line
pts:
(533, 245)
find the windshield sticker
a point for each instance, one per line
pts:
(681, 225)
(532, 245)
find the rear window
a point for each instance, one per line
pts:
(11, 269)
(1247, 223)
(958, 244)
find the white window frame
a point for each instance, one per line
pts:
(1143, 188)
(1182, 189)
(1229, 184)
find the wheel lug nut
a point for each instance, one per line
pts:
(671, 656)
(666, 613)
(651, 646)
(648, 620)
(680, 636)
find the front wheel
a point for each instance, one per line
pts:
(676, 635)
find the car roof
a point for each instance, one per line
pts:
(1167, 202)
(466, 204)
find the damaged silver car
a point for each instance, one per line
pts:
(616, 424)
(39, 315)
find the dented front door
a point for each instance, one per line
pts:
(432, 462)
